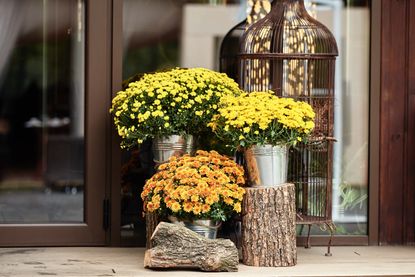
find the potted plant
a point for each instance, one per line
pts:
(198, 190)
(169, 107)
(264, 125)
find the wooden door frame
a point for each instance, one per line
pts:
(392, 189)
(385, 40)
(374, 126)
(114, 143)
(98, 91)
(115, 156)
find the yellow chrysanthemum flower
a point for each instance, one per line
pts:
(261, 117)
(186, 98)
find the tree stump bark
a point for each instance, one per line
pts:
(268, 226)
(152, 221)
(175, 246)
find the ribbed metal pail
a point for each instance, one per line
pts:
(206, 228)
(267, 165)
(166, 147)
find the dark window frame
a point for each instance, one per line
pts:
(98, 96)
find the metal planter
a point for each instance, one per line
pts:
(175, 145)
(207, 228)
(266, 165)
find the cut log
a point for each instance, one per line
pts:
(268, 226)
(175, 246)
(152, 221)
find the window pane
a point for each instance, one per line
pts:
(351, 152)
(41, 111)
(161, 34)
(349, 22)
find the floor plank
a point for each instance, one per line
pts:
(105, 261)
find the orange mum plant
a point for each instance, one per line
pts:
(205, 186)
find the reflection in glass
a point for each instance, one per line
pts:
(151, 42)
(157, 35)
(41, 111)
(349, 22)
(161, 34)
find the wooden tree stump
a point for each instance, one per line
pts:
(152, 221)
(268, 226)
(177, 246)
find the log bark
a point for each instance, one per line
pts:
(268, 226)
(152, 221)
(175, 246)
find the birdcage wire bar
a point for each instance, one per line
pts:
(292, 54)
(228, 60)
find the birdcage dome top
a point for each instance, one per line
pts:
(288, 30)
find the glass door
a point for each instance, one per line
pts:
(53, 114)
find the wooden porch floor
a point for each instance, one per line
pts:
(105, 261)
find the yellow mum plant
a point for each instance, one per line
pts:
(204, 186)
(259, 118)
(175, 102)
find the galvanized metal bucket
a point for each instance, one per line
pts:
(205, 227)
(266, 165)
(175, 145)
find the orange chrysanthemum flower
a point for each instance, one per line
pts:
(201, 186)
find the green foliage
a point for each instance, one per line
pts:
(352, 197)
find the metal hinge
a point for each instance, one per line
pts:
(106, 214)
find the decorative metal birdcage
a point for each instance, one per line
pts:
(257, 9)
(229, 50)
(292, 54)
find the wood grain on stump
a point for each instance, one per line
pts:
(268, 226)
(152, 221)
(175, 246)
